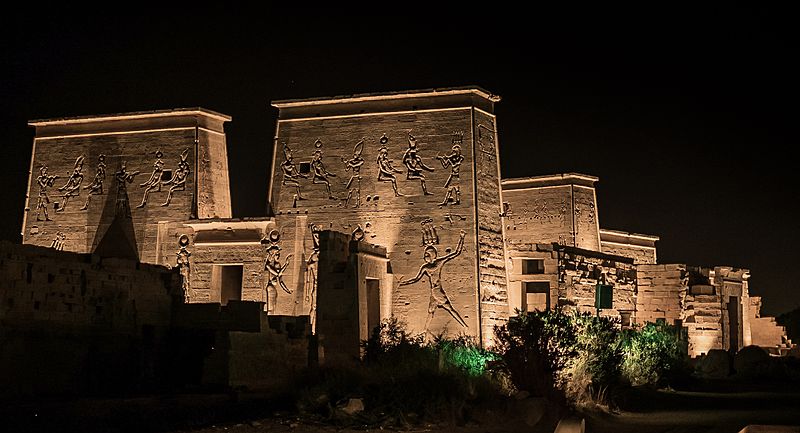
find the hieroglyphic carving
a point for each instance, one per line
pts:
(44, 181)
(386, 172)
(354, 164)
(291, 177)
(312, 264)
(486, 143)
(178, 180)
(123, 177)
(274, 269)
(318, 168)
(453, 160)
(414, 164)
(182, 261)
(154, 182)
(429, 235)
(58, 242)
(96, 187)
(432, 269)
(73, 186)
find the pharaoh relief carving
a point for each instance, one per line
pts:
(96, 187)
(73, 186)
(386, 172)
(154, 182)
(178, 180)
(291, 176)
(432, 270)
(354, 164)
(184, 268)
(123, 177)
(453, 160)
(274, 269)
(414, 164)
(44, 181)
(318, 168)
(312, 266)
(58, 241)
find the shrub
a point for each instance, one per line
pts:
(596, 365)
(535, 348)
(653, 354)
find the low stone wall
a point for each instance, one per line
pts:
(77, 323)
(661, 293)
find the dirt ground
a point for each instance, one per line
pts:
(643, 410)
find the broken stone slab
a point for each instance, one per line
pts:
(571, 424)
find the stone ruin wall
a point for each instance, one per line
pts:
(640, 255)
(493, 280)
(91, 146)
(565, 214)
(405, 225)
(579, 273)
(661, 294)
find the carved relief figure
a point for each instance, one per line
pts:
(429, 235)
(453, 160)
(312, 265)
(178, 180)
(274, 270)
(354, 164)
(432, 269)
(414, 164)
(123, 177)
(44, 181)
(58, 242)
(155, 179)
(73, 186)
(318, 167)
(183, 267)
(96, 187)
(386, 172)
(290, 174)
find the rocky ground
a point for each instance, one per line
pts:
(717, 410)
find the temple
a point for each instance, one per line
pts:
(379, 205)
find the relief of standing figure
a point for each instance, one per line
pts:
(155, 179)
(414, 164)
(123, 177)
(275, 270)
(96, 187)
(73, 186)
(452, 160)
(44, 181)
(312, 264)
(354, 164)
(386, 172)
(432, 269)
(183, 263)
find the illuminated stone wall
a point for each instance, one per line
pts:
(160, 153)
(558, 209)
(573, 275)
(221, 242)
(641, 248)
(399, 171)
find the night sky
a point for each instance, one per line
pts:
(686, 116)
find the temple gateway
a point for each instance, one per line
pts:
(379, 205)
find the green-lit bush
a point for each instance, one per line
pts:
(653, 354)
